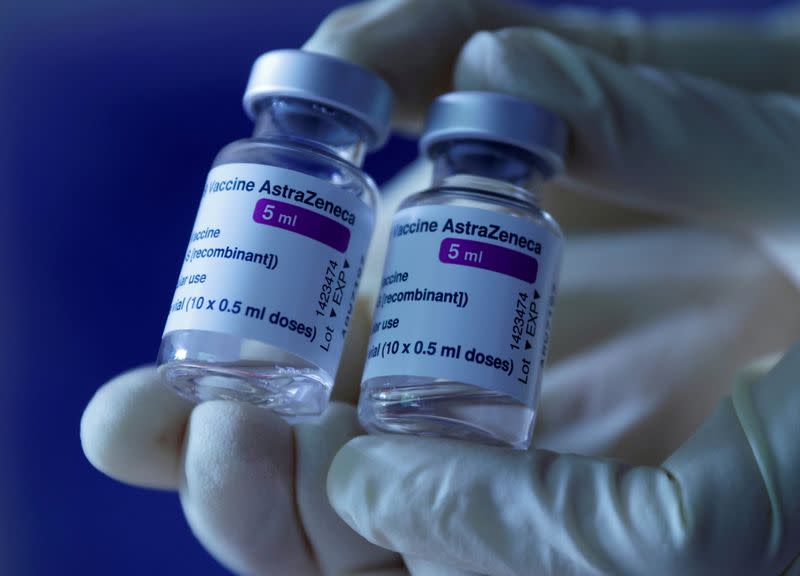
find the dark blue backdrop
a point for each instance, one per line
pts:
(110, 113)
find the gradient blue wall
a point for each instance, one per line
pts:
(110, 113)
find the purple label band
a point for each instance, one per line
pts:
(302, 221)
(489, 257)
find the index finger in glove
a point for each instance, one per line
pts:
(412, 44)
(648, 137)
(252, 487)
(727, 502)
(254, 492)
(133, 429)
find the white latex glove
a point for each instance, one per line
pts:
(726, 502)
(251, 486)
(647, 137)
(687, 145)
(231, 461)
(410, 42)
(633, 385)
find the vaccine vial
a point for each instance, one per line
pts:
(461, 328)
(270, 275)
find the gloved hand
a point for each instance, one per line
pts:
(640, 354)
(234, 464)
(251, 486)
(726, 502)
(645, 137)
(650, 137)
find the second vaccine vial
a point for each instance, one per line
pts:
(462, 321)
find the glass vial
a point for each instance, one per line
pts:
(462, 322)
(269, 279)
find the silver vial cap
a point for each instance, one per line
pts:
(497, 118)
(324, 79)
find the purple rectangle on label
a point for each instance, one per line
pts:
(489, 257)
(302, 221)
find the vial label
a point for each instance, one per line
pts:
(466, 296)
(274, 256)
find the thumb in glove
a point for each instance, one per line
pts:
(726, 502)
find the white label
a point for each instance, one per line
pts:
(467, 295)
(275, 256)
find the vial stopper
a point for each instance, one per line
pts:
(497, 118)
(324, 79)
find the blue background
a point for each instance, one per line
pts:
(110, 114)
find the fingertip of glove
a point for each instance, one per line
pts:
(237, 488)
(361, 470)
(341, 35)
(340, 469)
(489, 53)
(472, 65)
(338, 421)
(132, 429)
(225, 436)
(528, 63)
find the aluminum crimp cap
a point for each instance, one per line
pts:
(324, 79)
(497, 118)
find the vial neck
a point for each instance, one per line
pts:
(491, 166)
(313, 125)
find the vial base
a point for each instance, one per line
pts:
(435, 407)
(202, 365)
